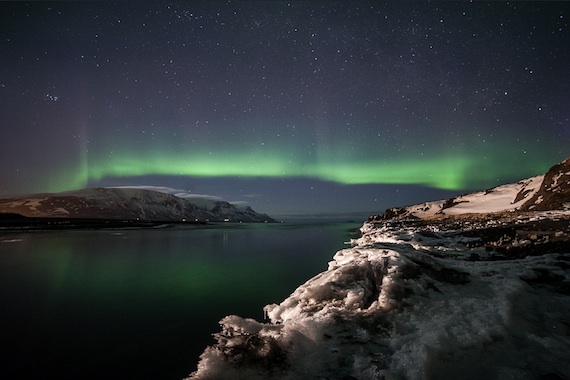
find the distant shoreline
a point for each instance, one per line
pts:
(10, 222)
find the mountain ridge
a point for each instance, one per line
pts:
(126, 204)
(549, 191)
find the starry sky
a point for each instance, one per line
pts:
(297, 107)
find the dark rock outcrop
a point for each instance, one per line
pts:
(554, 193)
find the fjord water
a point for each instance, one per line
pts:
(143, 303)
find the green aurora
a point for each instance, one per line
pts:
(447, 171)
(292, 107)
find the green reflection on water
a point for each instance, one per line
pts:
(143, 267)
(143, 303)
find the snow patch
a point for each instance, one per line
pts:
(508, 197)
(33, 204)
(61, 211)
(176, 192)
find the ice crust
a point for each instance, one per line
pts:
(404, 303)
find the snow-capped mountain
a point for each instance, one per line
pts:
(128, 204)
(477, 293)
(550, 191)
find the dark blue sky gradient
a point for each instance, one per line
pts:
(295, 107)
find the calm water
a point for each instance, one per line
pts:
(126, 304)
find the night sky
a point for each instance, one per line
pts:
(296, 107)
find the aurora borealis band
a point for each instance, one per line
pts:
(291, 106)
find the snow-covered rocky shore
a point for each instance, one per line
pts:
(457, 295)
(411, 302)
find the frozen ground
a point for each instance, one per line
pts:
(455, 299)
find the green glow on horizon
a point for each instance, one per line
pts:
(441, 172)
(450, 168)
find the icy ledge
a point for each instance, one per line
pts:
(404, 304)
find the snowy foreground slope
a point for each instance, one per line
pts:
(465, 296)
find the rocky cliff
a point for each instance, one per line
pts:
(554, 192)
